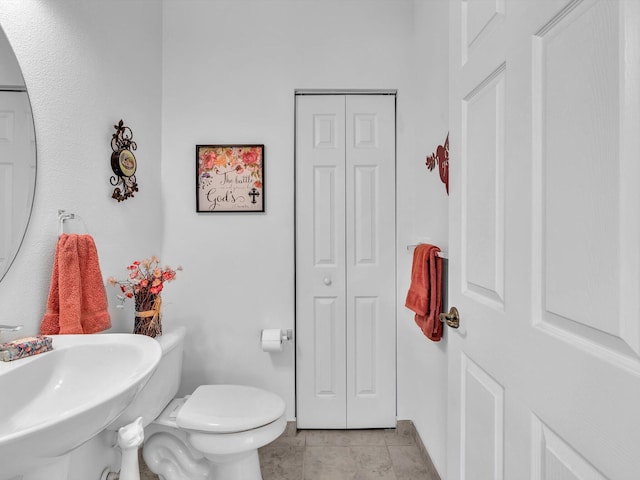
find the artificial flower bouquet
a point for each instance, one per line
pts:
(146, 281)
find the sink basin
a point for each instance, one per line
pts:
(53, 402)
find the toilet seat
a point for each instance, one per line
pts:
(228, 409)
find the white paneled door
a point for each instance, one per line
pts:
(345, 261)
(544, 372)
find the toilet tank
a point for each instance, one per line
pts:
(162, 385)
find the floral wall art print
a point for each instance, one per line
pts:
(230, 178)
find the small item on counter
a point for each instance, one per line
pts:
(25, 347)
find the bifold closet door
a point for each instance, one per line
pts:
(345, 261)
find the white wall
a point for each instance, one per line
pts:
(86, 66)
(230, 71)
(423, 217)
(224, 71)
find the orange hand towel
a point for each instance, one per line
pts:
(77, 297)
(425, 292)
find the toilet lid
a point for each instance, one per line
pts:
(229, 408)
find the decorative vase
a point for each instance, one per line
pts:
(148, 318)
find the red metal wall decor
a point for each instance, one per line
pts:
(441, 157)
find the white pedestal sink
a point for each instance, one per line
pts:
(53, 402)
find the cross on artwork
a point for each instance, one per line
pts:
(253, 193)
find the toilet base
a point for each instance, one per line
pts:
(245, 466)
(177, 454)
(170, 458)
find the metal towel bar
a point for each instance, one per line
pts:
(440, 254)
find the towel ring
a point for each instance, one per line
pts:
(63, 216)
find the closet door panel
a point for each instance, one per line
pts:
(320, 262)
(370, 261)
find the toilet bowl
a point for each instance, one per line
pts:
(214, 433)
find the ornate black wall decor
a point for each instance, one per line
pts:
(123, 163)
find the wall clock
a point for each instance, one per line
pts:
(123, 163)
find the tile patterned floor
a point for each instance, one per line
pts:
(345, 455)
(342, 455)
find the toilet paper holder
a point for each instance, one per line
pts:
(285, 335)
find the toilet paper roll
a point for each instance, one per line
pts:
(271, 340)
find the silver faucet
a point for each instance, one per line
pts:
(10, 328)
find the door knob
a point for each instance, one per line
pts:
(327, 281)
(452, 318)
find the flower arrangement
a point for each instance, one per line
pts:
(146, 281)
(226, 159)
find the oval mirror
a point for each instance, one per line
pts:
(17, 156)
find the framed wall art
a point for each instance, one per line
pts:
(229, 178)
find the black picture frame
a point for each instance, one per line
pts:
(230, 178)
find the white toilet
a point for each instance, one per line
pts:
(212, 434)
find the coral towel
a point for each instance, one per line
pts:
(77, 297)
(425, 292)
